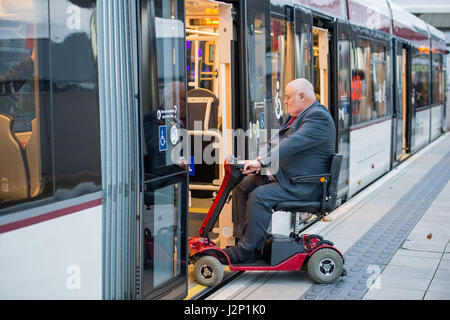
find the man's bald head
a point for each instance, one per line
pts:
(303, 85)
(299, 95)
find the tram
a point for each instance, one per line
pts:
(97, 200)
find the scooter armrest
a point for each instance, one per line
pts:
(311, 179)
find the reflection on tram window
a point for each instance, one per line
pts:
(302, 53)
(437, 79)
(343, 79)
(420, 81)
(258, 55)
(257, 62)
(441, 79)
(442, 82)
(283, 71)
(379, 80)
(361, 83)
(49, 129)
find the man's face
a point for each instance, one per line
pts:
(293, 101)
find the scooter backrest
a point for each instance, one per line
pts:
(335, 170)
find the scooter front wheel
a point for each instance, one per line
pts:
(208, 271)
(325, 266)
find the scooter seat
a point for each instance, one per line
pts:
(298, 206)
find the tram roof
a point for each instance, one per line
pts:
(409, 27)
(371, 14)
(335, 8)
(382, 15)
(437, 40)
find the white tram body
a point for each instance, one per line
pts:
(95, 96)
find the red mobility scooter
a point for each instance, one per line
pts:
(325, 264)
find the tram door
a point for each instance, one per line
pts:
(163, 220)
(344, 50)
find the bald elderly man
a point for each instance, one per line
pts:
(306, 143)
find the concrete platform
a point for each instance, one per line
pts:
(394, 235)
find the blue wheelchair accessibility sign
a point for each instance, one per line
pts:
(191, 166)
(162, 138)
(262, 121)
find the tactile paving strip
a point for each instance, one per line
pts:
(377, 246)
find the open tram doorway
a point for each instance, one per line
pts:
(209, 29)
(320, 64)
(402, 111)
(325, 65)
(331, 80)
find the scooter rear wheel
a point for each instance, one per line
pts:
(325, 266)
(208, 271)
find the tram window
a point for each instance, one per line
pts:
(257, 60)
(361, 83)
(283, 70)
(379, 80)
(420, 80)
(442, 80)
(302, 56)
(165, 117)
(259, 79)
(49, 121)
(344, 77)
(437, 77)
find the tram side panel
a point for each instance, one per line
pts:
(422, 129)
(50, 231)
(370, 148)
(436, 122)
(56, 259)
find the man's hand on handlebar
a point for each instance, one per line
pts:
(251, 167)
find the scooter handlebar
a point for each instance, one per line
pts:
(237, 165)
(235, 162)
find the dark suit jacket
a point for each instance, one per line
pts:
(304, 148)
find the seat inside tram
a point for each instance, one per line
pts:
(208, 98)
(20, 139)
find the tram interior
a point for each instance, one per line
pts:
(320, 51)
(208, 52)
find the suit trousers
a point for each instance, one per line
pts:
(252, 202)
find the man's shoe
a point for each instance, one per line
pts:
(238, 255)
